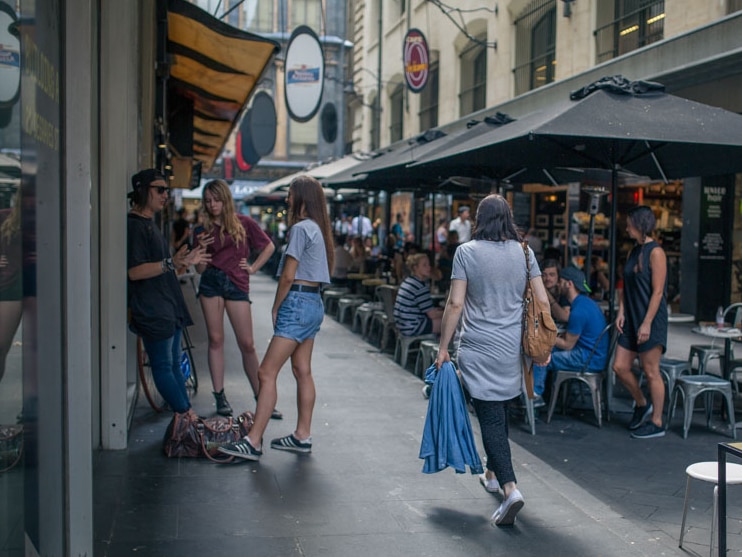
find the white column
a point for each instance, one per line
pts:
(78, 154)
(119, 133)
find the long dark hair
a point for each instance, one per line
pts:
(308, 201)
(642, 218)
(495, 221)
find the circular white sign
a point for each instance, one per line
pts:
(10, 58)
(304, 74)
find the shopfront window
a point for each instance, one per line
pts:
(31, 374)
(11, 289)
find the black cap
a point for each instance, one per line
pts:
(577, 277)
(144, 178)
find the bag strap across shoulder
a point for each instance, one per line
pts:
(527, 289)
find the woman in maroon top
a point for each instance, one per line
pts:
(225, 284)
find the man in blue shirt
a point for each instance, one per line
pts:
(586, 322)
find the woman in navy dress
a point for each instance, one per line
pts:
(642, 323)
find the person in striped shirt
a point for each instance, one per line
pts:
(414, 311)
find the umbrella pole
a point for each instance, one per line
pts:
(614, 243)
(589, 256)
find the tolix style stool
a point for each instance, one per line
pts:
(690, 386)
(347, 305)
(362, 316)
(405, 345)
(426, 356)
(708, 472)
(703, 353)
(671, 370)
(330, 297)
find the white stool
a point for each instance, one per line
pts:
(708, 472)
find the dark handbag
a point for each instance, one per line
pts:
(539, 329)
(11, 446)
(191, 436)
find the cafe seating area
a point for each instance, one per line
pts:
(366, 306)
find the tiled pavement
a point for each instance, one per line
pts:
(588, 491)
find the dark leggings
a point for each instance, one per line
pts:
(493, 423)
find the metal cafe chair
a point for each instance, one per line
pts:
(594, 380)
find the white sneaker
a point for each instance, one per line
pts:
(507, 511)
(490, 486)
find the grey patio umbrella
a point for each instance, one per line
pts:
(612, 124)
(389, 168)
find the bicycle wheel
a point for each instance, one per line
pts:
(146, 380)
(192, 381)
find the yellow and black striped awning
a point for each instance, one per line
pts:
(214, 68)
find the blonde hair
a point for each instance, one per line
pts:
(414, 260)
(220, 190)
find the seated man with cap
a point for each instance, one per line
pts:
(586, 322)
(462, 224)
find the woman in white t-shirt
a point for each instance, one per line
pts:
(297, 316)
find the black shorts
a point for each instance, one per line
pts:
(215, 283)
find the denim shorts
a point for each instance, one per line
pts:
(300, 316)
(215, 282)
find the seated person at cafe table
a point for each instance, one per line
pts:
(343, 261)
(414, 311)
(586, 322)
(558, 301)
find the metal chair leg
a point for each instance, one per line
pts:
(713, 521)
(685, 511)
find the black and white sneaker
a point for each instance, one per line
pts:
(241, 449)
(650, 430)
(292, 444)
(641, 415)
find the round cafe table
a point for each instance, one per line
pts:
(728, 334)
(680, 318)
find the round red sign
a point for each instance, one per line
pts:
(416, 60)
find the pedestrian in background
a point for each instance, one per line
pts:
(181, 230)
(225, 284)
(642, 323)
(297, 315)
(157, 307)
(487, 283)
(462, 224)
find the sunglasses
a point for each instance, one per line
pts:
(161, 189)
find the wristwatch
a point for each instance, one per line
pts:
(167, 265)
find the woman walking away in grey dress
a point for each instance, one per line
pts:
(642, 322)
(488, 280)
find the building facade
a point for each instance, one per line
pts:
(520, 56)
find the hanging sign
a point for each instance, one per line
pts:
(304, 74)
(416, 60)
